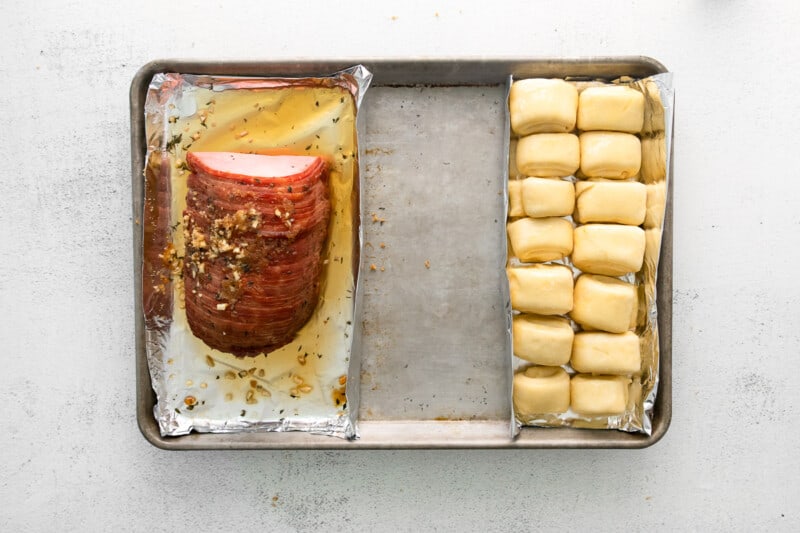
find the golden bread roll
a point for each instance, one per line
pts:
(548, 155)
(610, 249)
(604, 303)
(541, 289)
(656, 204)
(547, 197)
(515, 199)
(652, 248)
(540, 239)
(544, 340)
(621, 202)
(512, 159)
(654, 159)
(542, 106)
(635, 310)
(611, 108)
(599, 395)
(606, 353)
(541, 390)
(609, 154)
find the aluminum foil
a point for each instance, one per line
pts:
(310, 384)
(657, 135)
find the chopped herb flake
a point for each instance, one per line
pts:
(176, 139)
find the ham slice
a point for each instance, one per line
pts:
(255, 228)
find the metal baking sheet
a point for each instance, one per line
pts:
(434, 371)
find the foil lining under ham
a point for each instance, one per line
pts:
(251, 246)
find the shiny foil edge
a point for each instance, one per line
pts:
(666, 89)
(514, 426)
(363, 79)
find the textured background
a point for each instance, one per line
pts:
(73, 457)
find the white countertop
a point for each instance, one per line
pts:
(73, 457)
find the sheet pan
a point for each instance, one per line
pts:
(434, 370)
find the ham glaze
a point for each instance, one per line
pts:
(255, 227)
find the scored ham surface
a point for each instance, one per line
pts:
(255, 227)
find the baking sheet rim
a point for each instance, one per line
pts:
(410, 433)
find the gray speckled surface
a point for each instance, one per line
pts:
(448, 317)
(72, 455)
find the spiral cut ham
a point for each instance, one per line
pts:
(255, 228)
